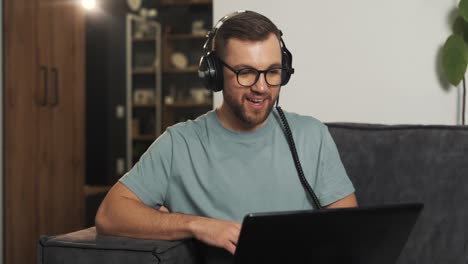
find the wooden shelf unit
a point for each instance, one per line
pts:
(180, 36)
(144, 116)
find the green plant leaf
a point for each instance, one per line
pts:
(463, 9)
(460, 27)
(454, 59)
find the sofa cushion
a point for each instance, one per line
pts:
(85, 246)
(413, 163)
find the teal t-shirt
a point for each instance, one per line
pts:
(201, 168)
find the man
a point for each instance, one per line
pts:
(201, 177)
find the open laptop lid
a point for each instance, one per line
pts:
(364, 235)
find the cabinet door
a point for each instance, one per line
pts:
(26, 157)
(63, 188)
(44, 138)
(43, 132)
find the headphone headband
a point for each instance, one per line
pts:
(212, 33)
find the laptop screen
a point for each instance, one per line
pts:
(364, 235)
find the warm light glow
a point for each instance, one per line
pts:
(89, 4)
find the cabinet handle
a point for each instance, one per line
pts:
(55, 88)
(41, 94)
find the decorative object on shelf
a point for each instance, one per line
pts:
(455, 53)
(171, 97)
(199, 95)
(152, 13)
(134, 5)
(149, 13)
(143, 97)
(198, 28)
(179, 60)
(168, 99)
(141, 29)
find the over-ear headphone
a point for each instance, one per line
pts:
(210, 68)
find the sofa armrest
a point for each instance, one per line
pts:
(86, 246)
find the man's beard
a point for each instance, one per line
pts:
(251, 118)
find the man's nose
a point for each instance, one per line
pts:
(261, 86)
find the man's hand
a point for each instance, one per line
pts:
(218, 233)
(215, 232)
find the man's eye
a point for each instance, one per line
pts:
(247, 72)
(274, 71)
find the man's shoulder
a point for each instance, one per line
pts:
(303, 122)
(191, 127)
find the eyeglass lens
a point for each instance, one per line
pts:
(248, 77)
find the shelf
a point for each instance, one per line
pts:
(144, 105)
(184, 2)
(189, 104)
(149, 70)
(190, 69)
(143, 39)
(144, 137)
(186, 36)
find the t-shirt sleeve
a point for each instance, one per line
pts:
(149, 178)
(333, 182)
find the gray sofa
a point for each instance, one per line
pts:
(387, 164)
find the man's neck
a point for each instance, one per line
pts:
(230, 121)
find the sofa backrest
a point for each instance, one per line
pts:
(428, 164)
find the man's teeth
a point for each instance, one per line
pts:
(257, 101)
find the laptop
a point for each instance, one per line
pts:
(364, 235)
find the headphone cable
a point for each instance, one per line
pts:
(297, 163)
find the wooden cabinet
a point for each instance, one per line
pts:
(44, 123)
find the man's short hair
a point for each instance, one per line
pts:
(249, 25)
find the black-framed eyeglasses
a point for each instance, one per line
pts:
(249, 76)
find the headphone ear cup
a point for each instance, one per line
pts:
(203, 72)
(286, 61)
(219, 75)
(208, 72)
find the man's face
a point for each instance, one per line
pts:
(247, 108)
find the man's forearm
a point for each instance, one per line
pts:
(121, 216)
(122, 213)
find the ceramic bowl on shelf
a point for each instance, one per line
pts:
(179, 60)
(199, 95)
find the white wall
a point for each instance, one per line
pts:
(369, 61)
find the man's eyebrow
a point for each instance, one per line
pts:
(243, 66)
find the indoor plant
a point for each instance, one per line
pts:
(455, 52)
